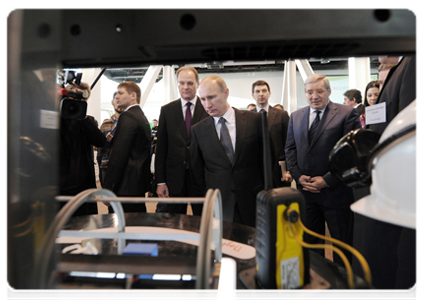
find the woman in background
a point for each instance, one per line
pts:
(370, 97)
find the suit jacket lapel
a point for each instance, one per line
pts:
(211, 135)
(271, 117)
(241, 127)
(304, 120)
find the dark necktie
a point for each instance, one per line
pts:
(314, 126)
(225, 140)
(188, 118)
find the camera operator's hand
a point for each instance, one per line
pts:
(109, 137)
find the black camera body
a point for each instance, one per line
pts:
(72, 105)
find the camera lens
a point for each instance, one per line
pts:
(73, 109)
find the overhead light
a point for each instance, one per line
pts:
(216, 66)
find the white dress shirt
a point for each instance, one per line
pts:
(266, 108)
(184, 107)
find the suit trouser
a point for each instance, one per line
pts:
(87, 208)
(390, 250)
(340, 223)
(185, 192)
(378, 243)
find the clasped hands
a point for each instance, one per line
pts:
(312, 184)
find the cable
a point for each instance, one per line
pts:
(358, 255)
(324, 246)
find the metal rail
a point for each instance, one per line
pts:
(210, 236)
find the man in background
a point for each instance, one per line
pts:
(251, 107)
(390, 250)
(277, 122)
(77, 138)
(154, 136)
(279, 106)
(172, 168)
(313, 132)
(386, 63)
(353, 98)
(108, 128)
(128, 172)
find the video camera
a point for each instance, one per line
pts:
(71, 105)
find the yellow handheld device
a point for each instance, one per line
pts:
(282, 263)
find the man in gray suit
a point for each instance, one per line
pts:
(172, 170)
(312, 133)
(277, 122)
(226, 153)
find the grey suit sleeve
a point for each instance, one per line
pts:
(291, 153)
(285, 124)
(352, 122)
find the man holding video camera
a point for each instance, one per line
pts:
(77, 137)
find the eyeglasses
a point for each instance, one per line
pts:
(311, 92)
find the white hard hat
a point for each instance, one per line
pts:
(392, 196)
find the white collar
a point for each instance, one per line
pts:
(312, 110)
(193, 101)
(131, 106)
(266, 108)
(229, 116)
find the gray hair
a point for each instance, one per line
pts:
(317, 77)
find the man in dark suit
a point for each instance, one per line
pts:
(312, 133)
(353, 98)
(172, 173)
(128, 171)
(277, 122)
(226, 153)
(389, 249)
